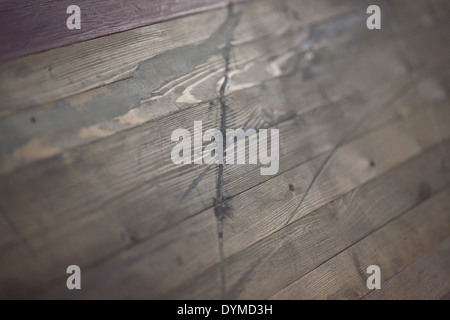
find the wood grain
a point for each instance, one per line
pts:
(254, 219)
(41, 79)
(427, 278)
(283, 97)
(31, 27)
(139, 98)
(393, 248)
(79, 181)
(305, 244)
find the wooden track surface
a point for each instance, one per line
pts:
(86, 176)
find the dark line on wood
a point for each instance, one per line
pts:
(219, 205)
(399, 94)
(19, 234)
(359, 269)
(357, 188)
(196, 182)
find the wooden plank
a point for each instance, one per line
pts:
(121, 186)
(392, 248)
(295, 249)
(76, 182)
(41, 25)
(139, 159)
(42, 132)
(43, 79)
(124, 230)
(257, 212)
(47, 220)
(426, 279)
(53, 131)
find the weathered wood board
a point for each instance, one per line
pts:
(86, 175)
(427, 278)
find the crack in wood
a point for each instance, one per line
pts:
(219, 205)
